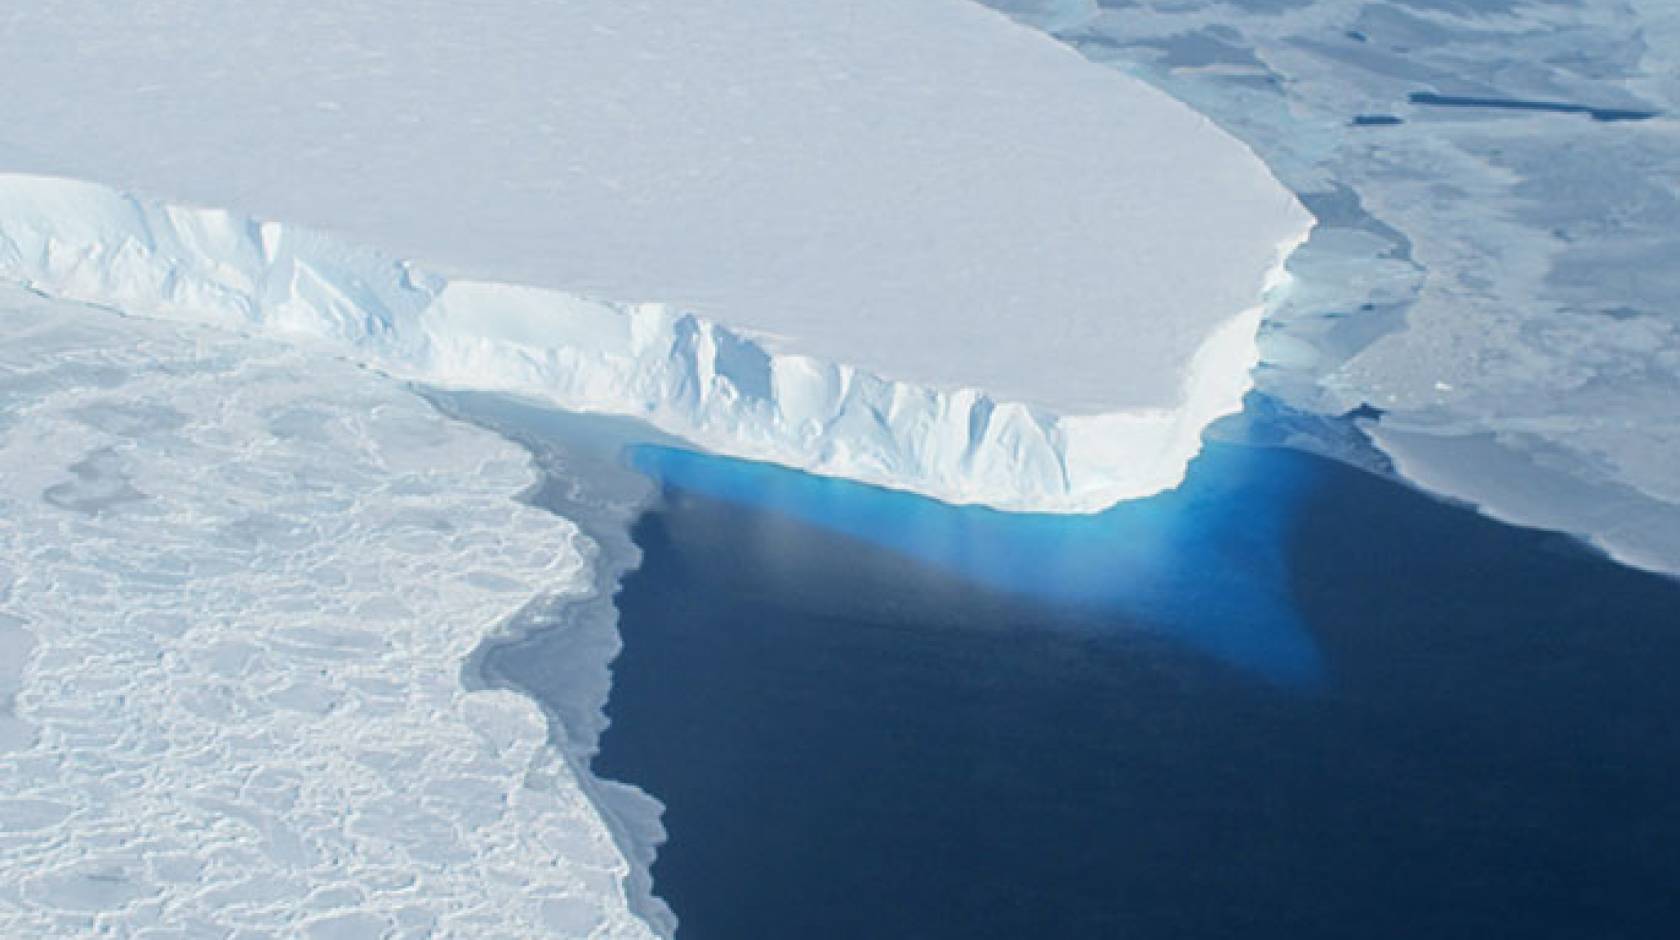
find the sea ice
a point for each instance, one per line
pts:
(1500, 284)
(238, 583)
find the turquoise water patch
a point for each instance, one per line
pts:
(1202, 564)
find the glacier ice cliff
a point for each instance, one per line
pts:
(676, 370)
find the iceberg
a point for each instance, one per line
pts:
(913, 244)
(917, 245)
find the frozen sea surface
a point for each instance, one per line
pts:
(238, 584)
(1500, 283)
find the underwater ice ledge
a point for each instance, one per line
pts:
(683, 374)
(1204, 566)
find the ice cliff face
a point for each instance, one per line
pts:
(678, 371)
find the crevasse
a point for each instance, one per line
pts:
(684, 374)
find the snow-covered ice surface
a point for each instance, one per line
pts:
(951, 255)
(1502, 284)
(238, 583)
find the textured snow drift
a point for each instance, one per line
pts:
(681, 373)
(245, 579)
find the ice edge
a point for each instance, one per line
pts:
(683, 374)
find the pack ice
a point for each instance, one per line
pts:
(914, 244)
(1500, 283)
(239, 582)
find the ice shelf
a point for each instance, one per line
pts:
(680, 372)
(921, 245)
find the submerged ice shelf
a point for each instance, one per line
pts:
(682, 373)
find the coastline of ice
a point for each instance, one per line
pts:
(679, 372)
(248, 577)
(584, 480)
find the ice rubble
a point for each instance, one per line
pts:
(680, 372)
(250, 577)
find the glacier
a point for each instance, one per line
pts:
(912, 244)
(677, 371)
(1493, 290)
(916, 244)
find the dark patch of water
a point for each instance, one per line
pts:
(860, 735)
(1521, 104)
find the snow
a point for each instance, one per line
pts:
(237, 585)
(1034, 265)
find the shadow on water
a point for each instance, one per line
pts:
(1181, 564)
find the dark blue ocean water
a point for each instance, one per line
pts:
(1290, 700)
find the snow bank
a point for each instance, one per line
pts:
(247, 579)
(678, 371)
